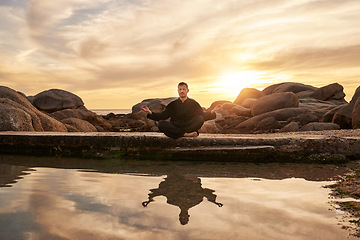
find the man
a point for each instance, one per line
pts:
(186, 115)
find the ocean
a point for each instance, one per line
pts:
(107, 111)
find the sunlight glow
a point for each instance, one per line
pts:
(232, 83)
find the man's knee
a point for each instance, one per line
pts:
(199, 119)
(162, 125)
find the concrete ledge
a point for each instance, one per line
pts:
(338, 145)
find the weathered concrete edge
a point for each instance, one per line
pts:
(295, 148)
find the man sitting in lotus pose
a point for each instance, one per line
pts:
(186, 115)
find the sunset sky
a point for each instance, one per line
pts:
(115, 53)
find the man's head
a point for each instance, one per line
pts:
(183, 90)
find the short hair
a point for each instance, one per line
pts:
(183, 83)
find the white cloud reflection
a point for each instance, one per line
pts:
(67, 204)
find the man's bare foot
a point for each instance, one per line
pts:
(192, 134)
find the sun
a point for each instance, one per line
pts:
(232, 83)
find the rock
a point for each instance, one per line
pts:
(78, 125)
(228, 105)
(248, 103)
(268, 123)
(305, 118)
(129, 122)
(273, 102)
(343, 117)
(304, 94)
(40, 121)
(14, 119)
(329, 91)
(235, 109)
(320, 126)
(280, 115)
(35, 120)
(214, 104)
(83, 114)
(241, 111)
(319, 107)
(356, 115)
(290, 127)
(247, 93)
(31, 99)
(155, 105)
(329, 115)
(209, 127)
(288, 87)
(231, 121)
(55, 100)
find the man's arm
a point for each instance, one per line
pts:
(209, 115)
(157, 116)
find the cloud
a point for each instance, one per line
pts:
(102, 44)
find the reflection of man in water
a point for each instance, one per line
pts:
(184, 192)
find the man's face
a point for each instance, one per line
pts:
(183, 91)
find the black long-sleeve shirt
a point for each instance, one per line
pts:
(181, 112)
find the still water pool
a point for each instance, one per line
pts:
(59, 198)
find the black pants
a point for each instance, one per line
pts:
(174, 130)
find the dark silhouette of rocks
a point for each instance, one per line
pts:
(282, 107)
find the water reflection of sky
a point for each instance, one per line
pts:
(69, 204)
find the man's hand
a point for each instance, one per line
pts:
(217, 108)
(146, 109)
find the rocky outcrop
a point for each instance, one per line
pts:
(343, 117)
(288, 87)
(273, 102)
(283, 107)
(248, 93)
(320, 126)
(18, 114)
(332, 91)
(251, 124)
(55, 100)
(82, 113)
(78, 125)
(356, 115)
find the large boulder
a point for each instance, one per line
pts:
(155, 105)
(334, 90)
(287, 87)
(290, 127)
(234, 109)
(83, 114)
(209, 127)
(280, 115)
(343, 117)
(78, 125)
(39, 121)
(267, 124)
(318, 106)
(36, 124)
(55, 100)
(320, 126)
(14, 119)
(247, 93)
(356, 115)
(329, 115)
(273, 102)
(249, 102)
